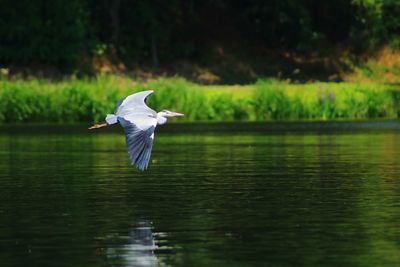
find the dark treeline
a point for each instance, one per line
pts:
(65, 33)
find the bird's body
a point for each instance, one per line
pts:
(139, 122)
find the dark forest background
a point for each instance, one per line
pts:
(75, 35)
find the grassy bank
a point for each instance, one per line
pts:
(89, 100)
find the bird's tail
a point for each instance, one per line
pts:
(111, 119)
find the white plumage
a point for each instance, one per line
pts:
(139, 122)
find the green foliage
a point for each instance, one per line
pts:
(270, 101)
(377, 22)
(325, 101)
(225, 107)
(66, 33)
(367, 102)
(91, 99)
(41, 31)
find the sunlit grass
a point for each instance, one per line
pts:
(90, 99)
(326, 101)
(237, 91)
(383, 68)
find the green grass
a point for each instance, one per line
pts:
(89, 100)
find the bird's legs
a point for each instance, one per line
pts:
(96, 126)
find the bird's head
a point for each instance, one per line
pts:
(164, 114)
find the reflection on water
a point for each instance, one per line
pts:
(217, 198)
(138, 248)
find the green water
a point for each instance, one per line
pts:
(214, 195)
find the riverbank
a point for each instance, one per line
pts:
(87, 100)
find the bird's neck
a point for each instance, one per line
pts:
(161, 119)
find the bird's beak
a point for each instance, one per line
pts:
(176, 114)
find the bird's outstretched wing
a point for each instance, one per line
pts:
(134, 103)
(139, 139)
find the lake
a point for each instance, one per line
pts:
(249, 194)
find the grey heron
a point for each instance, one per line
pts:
(139, 122)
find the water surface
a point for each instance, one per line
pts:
(314, 194)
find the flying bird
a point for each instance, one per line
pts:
(139, 122)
